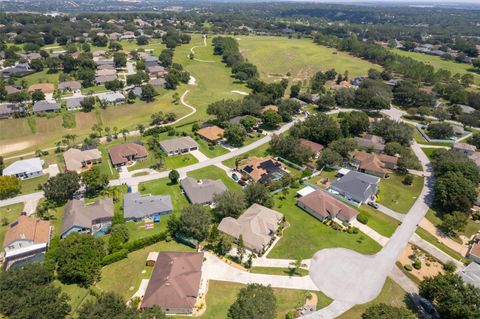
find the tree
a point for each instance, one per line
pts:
(152, 313)
(95, 181)
(38, 95)
(148, 92)
(78, 258)
(254, 301)
(440, 130)
(344, 147)
(166, 58)
(119, 59)
(454, 222)
(453, 299)
(114, 85)
(329, 158)
(290, 148)
(108, 305)
(59, 189)
(449, 161)
(354, 123)
(228, 204)
(259, 194)
(37, 65)
(9, 186)
(249, 122)
(28, 292)
(319, 128)
(295, 89)
(87, 104)
(115, 46)
(453, 192)
(271, 119)
(235, 134)
(118, 236)
(296, 265)
(392, 131)
(173, 176)
(195, 222)
(384, 311)
(142, 40)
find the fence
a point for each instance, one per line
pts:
(421, 129)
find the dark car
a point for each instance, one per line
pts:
(373, 204)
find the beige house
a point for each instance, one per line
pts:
(81, 161)
(257, 226)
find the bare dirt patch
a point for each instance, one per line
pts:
(430, 266)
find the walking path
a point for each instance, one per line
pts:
(199, 156)
(390, 212)
(434, 251)
(382, 240)
(277, 263)
(192, 51)
(444, 239)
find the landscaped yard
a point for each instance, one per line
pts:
(31, 185)
(391, 294)
(278, 271)
(222, 294)
(7, 215)
(394, 194)
(213, 172)
(378, 221)
(177, 161)
(124, 276)
(306, 235)
(210, 151)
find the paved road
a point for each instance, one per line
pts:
(22, 199)
(390, 212)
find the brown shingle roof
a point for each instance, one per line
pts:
(269, 107)
(475, 250)
(44, 87)
(119, 154)
(175, 280)
(212, 133)
(28, 228)
(326, 206)
(373, 162)
(314, 147)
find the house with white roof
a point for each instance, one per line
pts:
(24, 169)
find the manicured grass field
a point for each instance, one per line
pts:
(398, 196)
(391, 294)
(7, 215)
(278, 271)
(222, 294)
(163, 187)
(177, 161)
(306, 235)
(378, 221)
(439, 63)
(40, 77)
(124, 276)
(277, 56)
(210, 151)
(31, 185)
(213, 172)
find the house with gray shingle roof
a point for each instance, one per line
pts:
(180, 145)
(11, 109)
(202, 191)
(137, 207)
(356, 186)
(74, 103)
(79, 217)
(45, 106)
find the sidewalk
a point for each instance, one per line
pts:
(382, 240)
(434, 251)
(450, 243)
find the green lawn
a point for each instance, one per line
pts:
(7, 215)
(378, 221)
(391, 294)
(398, 196)
(40, 77)
(429, 151)
(31, 185)
(278, 271)
(277, 56)
(439, 63)
(425, 235)
(210, 151)
(213, 172)
(222, 294)
(330, 174)
(177, 161)
(306, 235)
(471, 228)
(259, 152)
(76, 293)
(124, 276)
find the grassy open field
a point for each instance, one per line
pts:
(222, 294)
(398, 196)
(391, 294)
(306, 235)
(439, 63)
(276, 56)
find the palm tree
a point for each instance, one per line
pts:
(141, 128)
(115, 132)
(296, 265)
(124, 132)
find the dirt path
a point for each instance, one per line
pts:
(450, 243)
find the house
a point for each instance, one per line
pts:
(137, 207)
(341, 85)
(24, 169)
(45, 106)
(11, 89)
(458, 130)
(100, 80)
(237, 119)
(69, 86)
(262, 169)
(202, 191)
(98, 53)
(474, 251)
(212, 134)
(11, 110)
(19, 69)
(156, 70)
(302, 103)
(465, 149)
(314, 147)
(74, 103)
(125, 153)
(180, 145)
(371, 142)
(157, 83)
(358, 80)
(323, 206)
(471, 274)
(80, 161)
(95, 219)
(26, 239)
(105, 72)
(374, 164)
(305, 191)
(258, 226)
(270, 107)
(356, 186)
(110, 65)
(44, 87)
(112, 97)
(175, 282)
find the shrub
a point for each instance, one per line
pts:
(417, 264)
(408, 267)
(362, 218)
(143, 242)
(306, 172)
(408, 180)
(290, 315)
(449, 266)
(116, 256)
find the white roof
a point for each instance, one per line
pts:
(343, 171)
(26, 249)
(30, 165)
(305, 191)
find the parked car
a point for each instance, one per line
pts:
(242, 182)
(373, 204)
(235, 177)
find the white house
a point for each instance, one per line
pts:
(24, 169)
